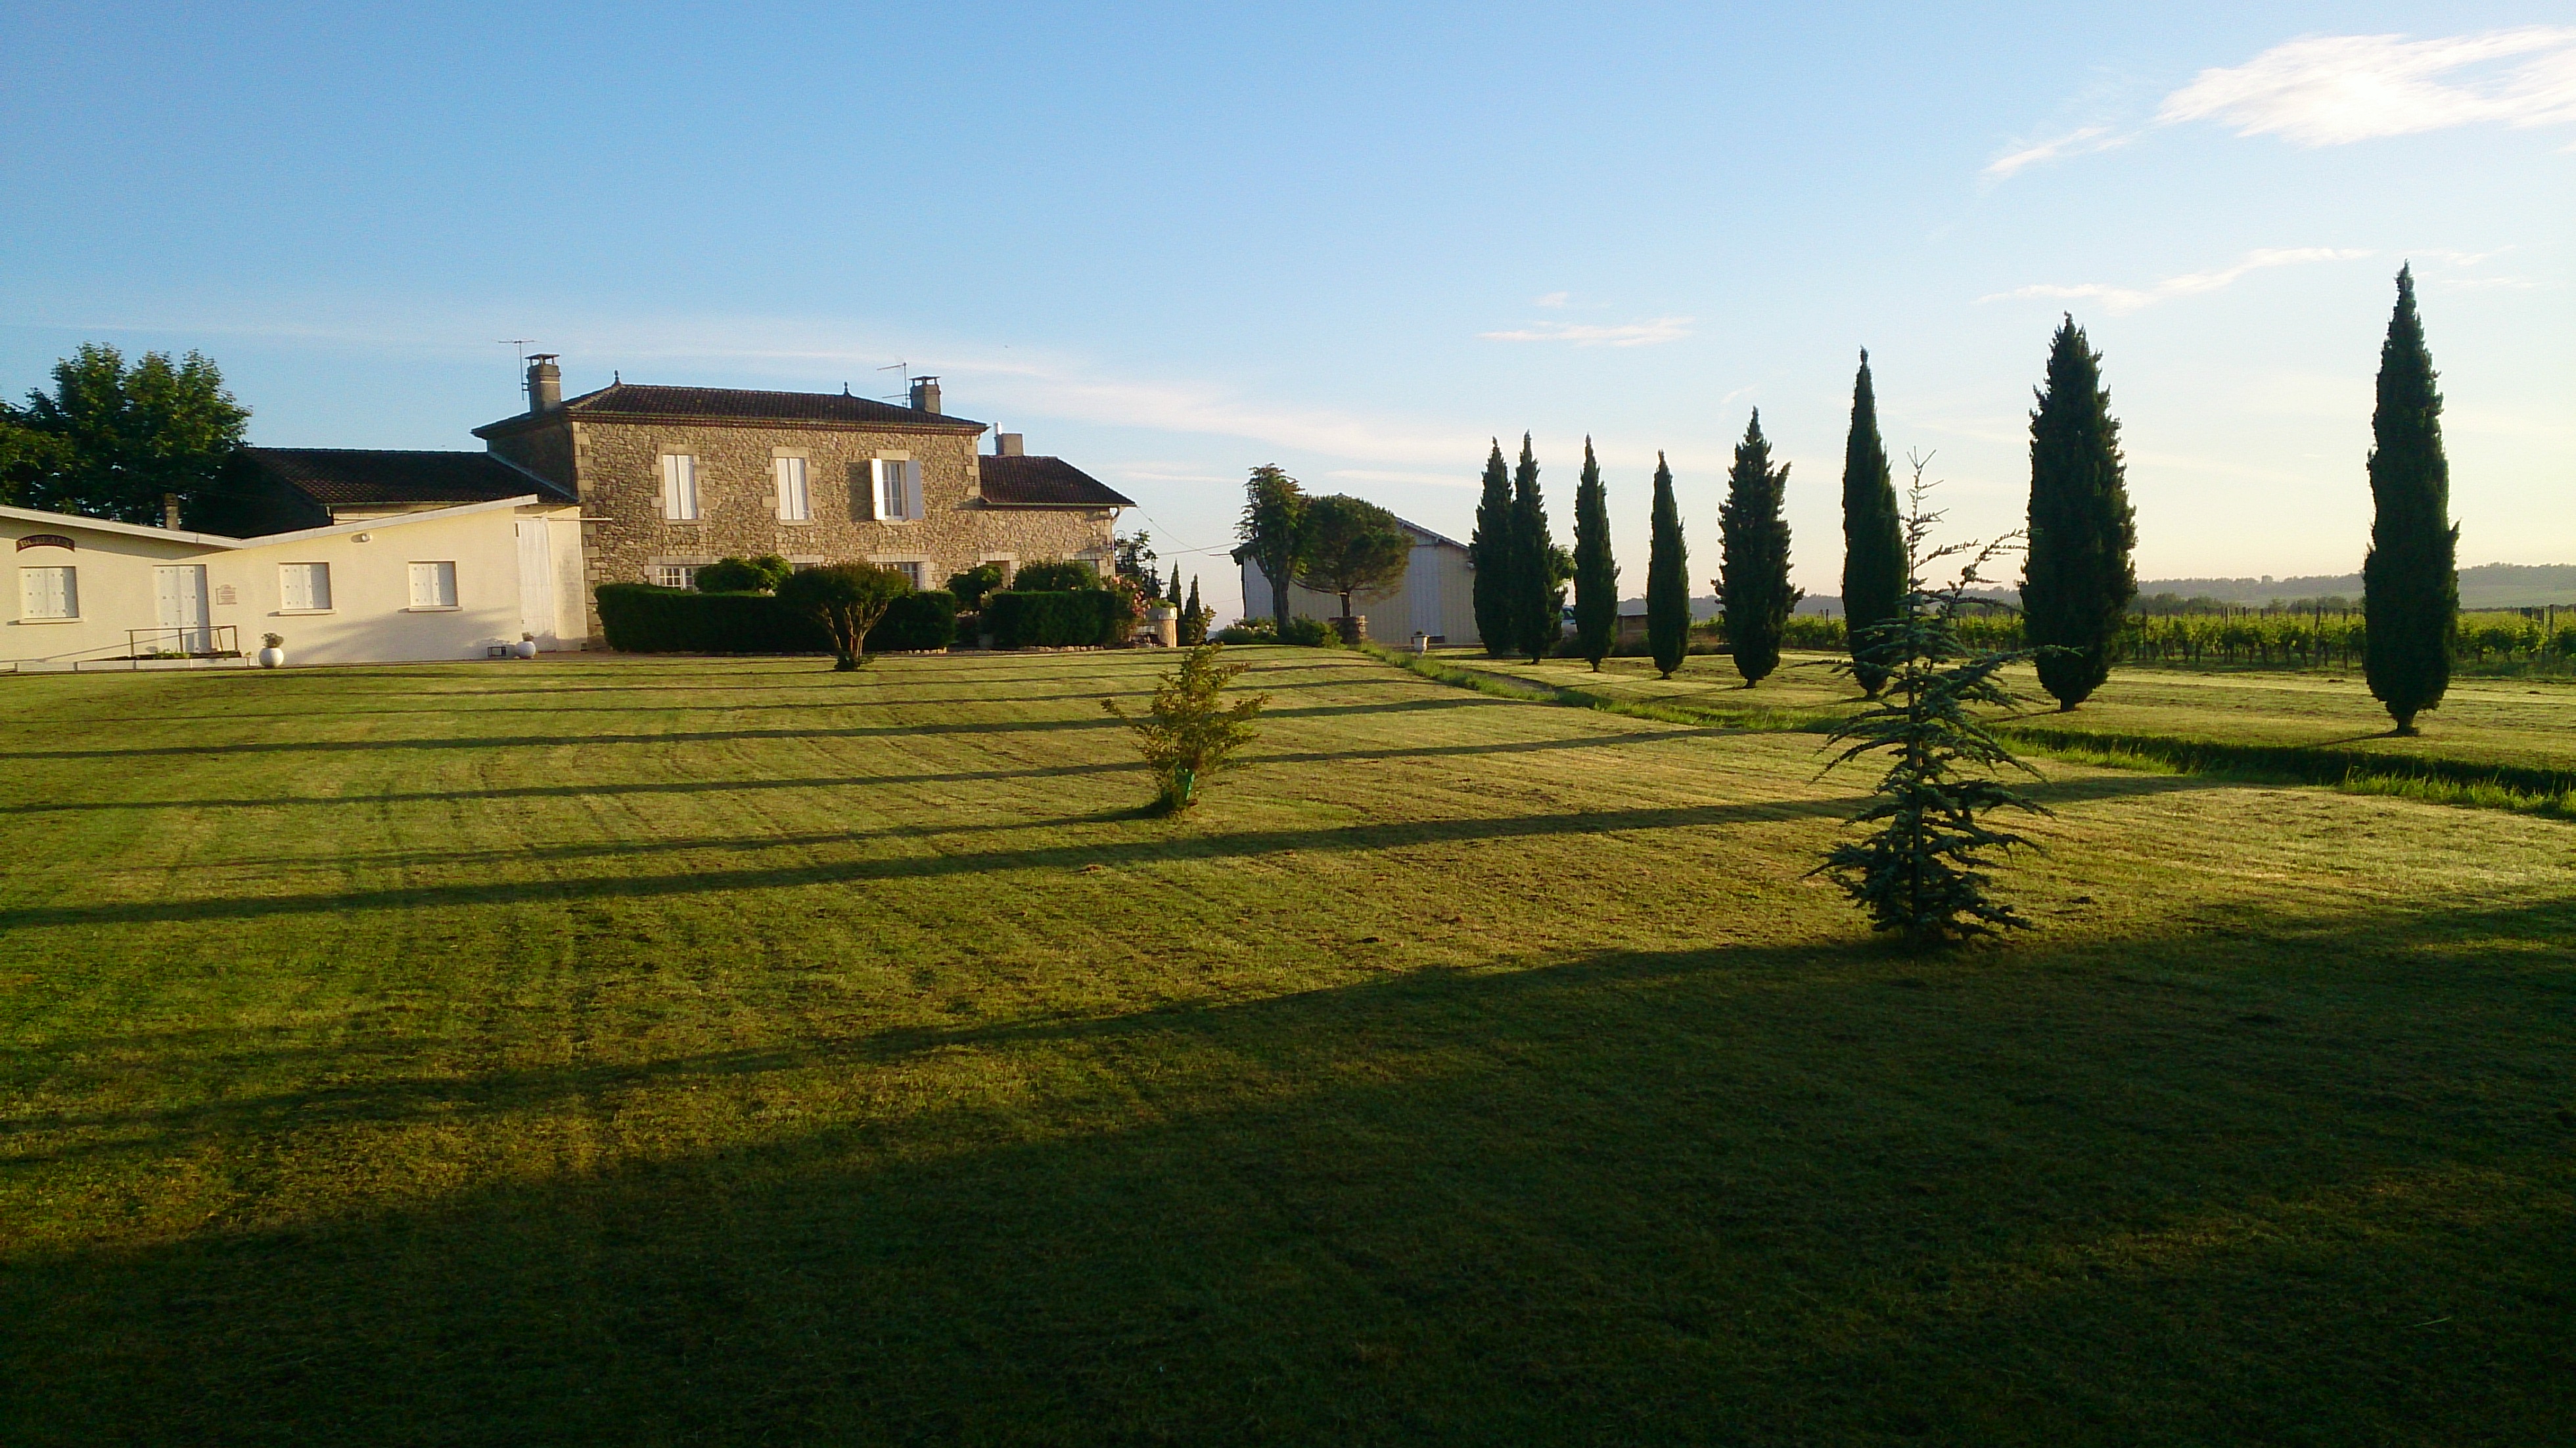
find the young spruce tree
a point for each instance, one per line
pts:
(1537, 614)
(1873, 536)
(2410, 581)
(1667, 579)
(1596, 574)
(1489, 553)
(2077, 581)
(1753, 560)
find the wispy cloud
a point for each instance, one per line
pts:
(1632, 334)
(1462, 478)
(1552, 299)
(2332, 90)
(2074, 143)
(2120, 300)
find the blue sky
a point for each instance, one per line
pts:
(1171, 243)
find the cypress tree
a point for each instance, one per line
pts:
(1534, 582)
(1873, 539)
(1667, 579)
(1753, 557)
(2410, 582)
(1193, 624)
(1596, 573)
(1489, 552)
(2077, 578)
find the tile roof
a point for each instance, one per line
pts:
(1028, 482)
(638, 401)
(360, 477)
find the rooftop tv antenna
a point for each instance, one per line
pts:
(902, 393)
(520, 344)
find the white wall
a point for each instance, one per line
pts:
(1436, 597)
(371, 618)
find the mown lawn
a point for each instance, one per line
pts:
(676, 1051)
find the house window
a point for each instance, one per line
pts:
(675, 575)
(679, 488)
(433, 585)
(48, 593)
(912, 572)
(1010, 568)
(898, 488)
(304, 587)
(793, 504)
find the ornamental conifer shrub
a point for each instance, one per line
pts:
(1490, 554)
(1190, 732)
(2077, 577)
(1873, 534)
(2410, 579)
(1753, 540)
(1536, 604)
(1667, 578)
(1596, 573)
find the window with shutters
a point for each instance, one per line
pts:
(48, 593)
(679, 488)
(913, 571)
(898, 489)
(433, 585)
(304, 587)
(794, 505)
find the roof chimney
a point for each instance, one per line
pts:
(925, 394)
(545, 384)
(1007, 445)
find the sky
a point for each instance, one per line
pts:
(1171, 243)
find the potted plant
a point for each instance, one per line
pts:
(526, 647)
(272, 653)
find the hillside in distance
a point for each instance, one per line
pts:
(2488, 585)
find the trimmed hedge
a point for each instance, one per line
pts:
(642, 619)
(1024, 619)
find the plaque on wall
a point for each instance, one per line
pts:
(43, 540)
(225, 593)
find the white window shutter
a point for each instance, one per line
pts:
(875, 489)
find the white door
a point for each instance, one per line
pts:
(179, 591)
(1422, 590)
(536, 579)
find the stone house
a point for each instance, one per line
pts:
(670, 479)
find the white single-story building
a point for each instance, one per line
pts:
(1437, 597)
(441, 583)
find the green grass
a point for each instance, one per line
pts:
(2504, 745)
(678, 1051)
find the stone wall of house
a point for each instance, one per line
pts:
(625, 537)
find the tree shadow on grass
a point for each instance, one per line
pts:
(1826, 1195)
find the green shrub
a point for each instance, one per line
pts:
(1020, 618)
(1246, 631)
(1055, 575)
(641, 619)
(740, 575)
(1188, 732)
(971, 585)
(1309, 633)
(845, 600)
(916, 622)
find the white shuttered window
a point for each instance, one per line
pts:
(48, 593)
(898, 488)
(433, 585)
(794, 506)
(304, 586)
(679, 487)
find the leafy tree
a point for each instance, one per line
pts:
(1753, 559)
(2077, 579)
(1133, 557)
(1351, 546)
(27, 454)
(847, 599)
(1596, 573)
(1489, 553)
(1667, 579)
(1190, 731)
(1922, 873)
(2410, 580)
(1536, 604)
(971, 585)
(124, 438)
(1274, 509)
(1873, 535)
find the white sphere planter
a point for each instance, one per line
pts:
(525, 648)
(272, 658)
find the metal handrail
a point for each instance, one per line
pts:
(223, 640)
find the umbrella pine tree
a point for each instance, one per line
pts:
(1667, 579)
(2410, 583)
(1596, 574)
(1873, 535)
(1753, 560)
(2077, 581)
